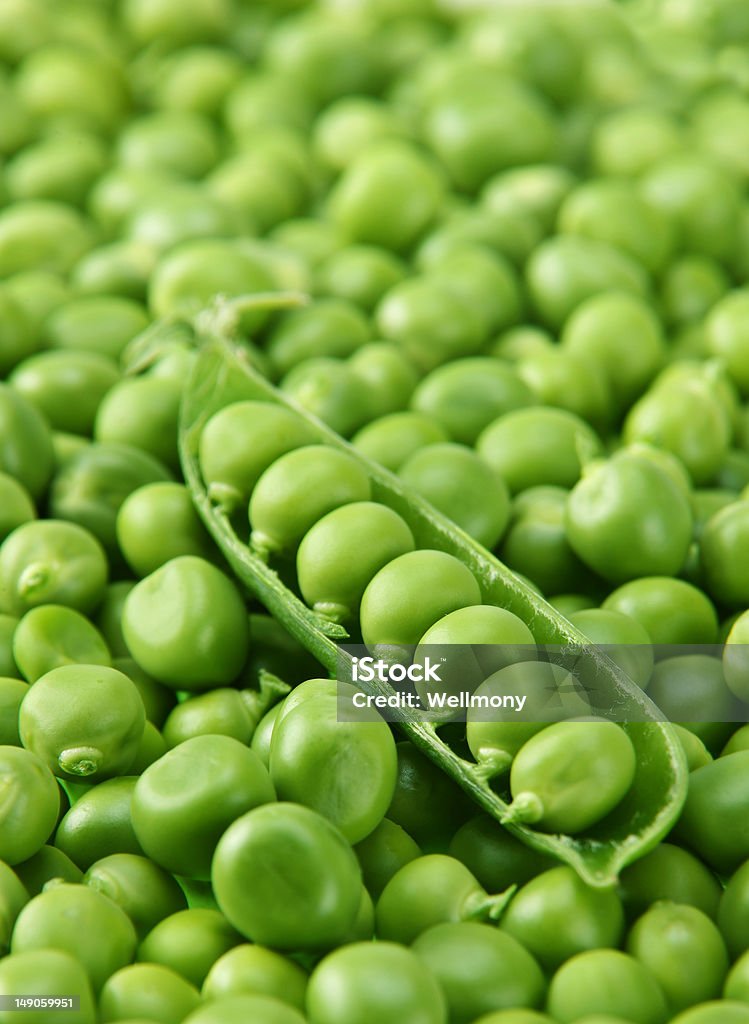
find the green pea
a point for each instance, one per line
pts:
(713, 822)
(298, 489)
(49, 972)
(239, 1008)
(179, 814)
(100, 324)
(432, 324)
(285, 846)
(90, 488)
(119, 269)
(19, 338)
(99, 823)
(411, 593)
(61, 168)
(196, 78)
(52, 635)
(78, 920)
(735, 667)
(26, 450)
(388, 196)
(530, 447)
(724, 1011)
(47, 863)
(605, 981)
(736, 984)
(426, 804)
(12, 692)
(222, 712)
(141, 412)
(570, 604)
(38, 293)
(327, 327)
(186, 625)
(261, 188)
(538, 190)
(683, 950)
(388, 375)
(383, 853)
(738, 741)
(629, 141)
(494, 856)
(158, 699)
(562, 379)
(158, 522)
(362, 982)
(275, 650)
(152, 746)
(430, 890)
(672, 611)
(393, 439)
(455, 480)
(570, 775)
(189, 942)
(692, 688)
(691, 287)
(41, 234)
(255, 970)
(619, 334)
(732, 908)
(145, 891)
(694, 747)
(327, 388)
(535, 543)
(556, 915)
(480, 969)
(360, 274)
(13, 897)
(350, 124)
(522, 1016)
(623, 639)
(16, 506)
(263, 734)
(51, 561)
(151, 989)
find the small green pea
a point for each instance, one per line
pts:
(98, 823)
(145, 891)
(52, 635)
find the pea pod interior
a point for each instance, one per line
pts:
(223, 374)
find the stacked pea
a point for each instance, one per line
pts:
(525, 239)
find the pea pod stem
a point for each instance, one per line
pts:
(526, 808)
(222, 374)
(480, 907)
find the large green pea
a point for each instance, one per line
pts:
(714, 820)
(672, 611)
(77, 920)
(426, 803)
(623, 639)
(84, 721)
(99, 823)
(255, 970)
(605, 981)
(189, 942)
(480, 969)
(66, 386)
(16, 506)
(30, 806)
(388, 375)
(186, 625)
(144, 890)
(12, 692)
(158, 699)
(151, 991)
(103, 324)
(52, 635)
(142, 412)
(158, 522)
(670, 873)
(384, 852)
(392, 439)
(341, 553)
(184, 802)
(570, 775)
(683, 950)
(496, 858)
(535, 446)
(42, 234)
(47, 972)
(328, 327)
(556, 915)
(20, 337)
(223, 712)
(715, 1011)
(298, 489)
(692, 690)
(25, 442)
(366, 983)
(287, 848)
(328, 389)
(737, 981)
(309, 747)
(411, 593)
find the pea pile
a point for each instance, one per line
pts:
(501, 252)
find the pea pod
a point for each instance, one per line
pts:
(223, 373)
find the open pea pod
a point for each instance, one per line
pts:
(223, 374)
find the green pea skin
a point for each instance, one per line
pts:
(179, 814)
(539, 189)
(119, 269)
(186, 625)
(694, 748)
(158, 522)
(223, 712)
(47, 863)
(328, 389)
(84, 721)
(430, 890)
(392, 439)
(16, 506)
(535, 543)
(480, 969)
(31, 806)
(52, 635)
(285, 845)
(48, 972)
(570, 775)
(388, 375)
(141, 412)
(26, 451)
(691, 287)
(530, 447)
(383, 853)
(462, 487)
(364, 983)
(327, 327)
(555, 916)
(712, 821)
(494, 856)
(99, 823)
(360, 274)
(255, 970)
(145, 891)
(42, 234)
(152, 989)
(684, 951)
(562, 379)
(411, 593)
(606, 981)
(75, 918)
(623, 639)
(307, 748)
(297, 490)
(672, 611)
(12, 692)
(101, 324)
(19, 337)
